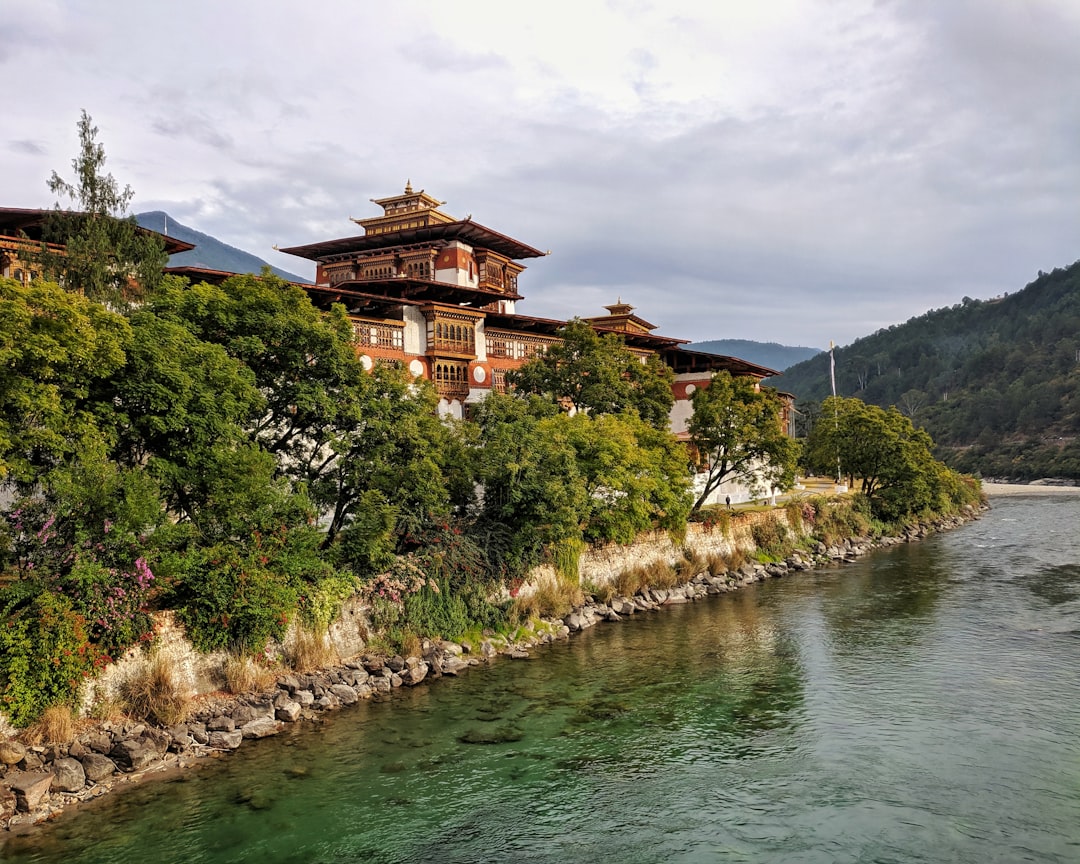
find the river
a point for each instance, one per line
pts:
(921, 704)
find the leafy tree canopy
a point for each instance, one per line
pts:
(599, 375)
(882, 449)
(736, 430)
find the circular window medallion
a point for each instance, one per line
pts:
(479, 374)
(416, 368)
(366, 362)
(690, 388)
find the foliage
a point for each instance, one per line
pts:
(55, 348)
(237, 597)
(771, 537)
(737, 433)
(892, 459)
(106, 256)
(530, 478)
(598, 375)
(45, 652)
(636, 477)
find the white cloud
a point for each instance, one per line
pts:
(798, 170)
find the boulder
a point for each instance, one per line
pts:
(244, 714)
(414, 672)
(226, 740)
(68, 775)
(98, 741)
(453, 664)
(30, 789)
(288, 712)
(261, 727)
(97, 767)
(135, 754)
(345, 694)
(11, 752)
(221, 723)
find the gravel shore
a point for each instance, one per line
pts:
(997, 490)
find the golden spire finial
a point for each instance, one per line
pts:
(408, 186)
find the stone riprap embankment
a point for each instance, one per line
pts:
(39, 782)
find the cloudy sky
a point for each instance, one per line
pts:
(781, 170)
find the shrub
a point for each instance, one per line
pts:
(308, 650)
(153, 692)
(603, 593)
(771, 537)
(690, 565)
(45, 653)
(56, 726)
(716, 564)
(629, 581)
(553, 598)
(243, 674)
(735, 558)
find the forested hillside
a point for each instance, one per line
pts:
(995, 382)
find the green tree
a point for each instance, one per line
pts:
(599, 375)
(636, 477)
(533, 499)
(882, 449)
(55, 349)
(737, 432)
(94, 245)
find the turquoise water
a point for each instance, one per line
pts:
(921, 704)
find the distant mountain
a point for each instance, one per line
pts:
(995, 382)
(769, 354)
(209, 252)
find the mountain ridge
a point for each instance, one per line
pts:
(772, 355)
(209, 252)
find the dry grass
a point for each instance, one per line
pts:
(628, 582)
(660, 574)
(603, 593)
(690, 565)
(307, 651)
(735, 558)
(553, 598)
(56, 726)
(153, 692)
(716, 564)
(410, 644)
(243, 675)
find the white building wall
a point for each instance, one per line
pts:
(481, 341)
(455, 275)
(414, 337)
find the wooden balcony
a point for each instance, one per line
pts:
(378, 334)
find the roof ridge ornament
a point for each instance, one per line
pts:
(408, 187)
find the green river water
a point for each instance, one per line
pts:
(922, 704)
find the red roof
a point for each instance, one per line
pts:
(464, 230)
(31, 222)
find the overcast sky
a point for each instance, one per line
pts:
(780, 170)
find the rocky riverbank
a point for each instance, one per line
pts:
(38, 783)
